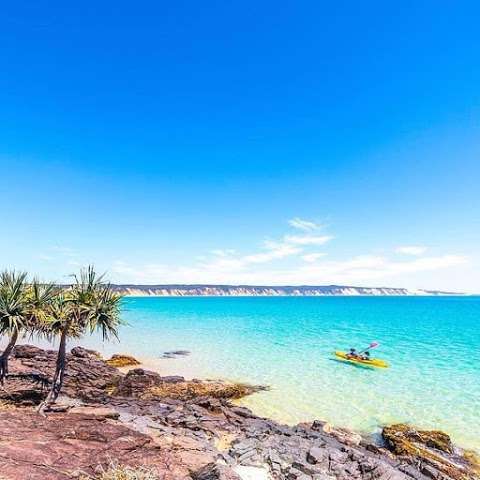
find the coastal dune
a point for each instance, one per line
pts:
(266, 291)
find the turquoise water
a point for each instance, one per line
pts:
(432, 344)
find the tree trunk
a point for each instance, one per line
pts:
(61, 366)
(6, 355)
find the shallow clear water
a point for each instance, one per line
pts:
(432, 344)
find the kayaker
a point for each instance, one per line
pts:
(365, 356)
(352, 353)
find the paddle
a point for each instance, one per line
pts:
(372, 345)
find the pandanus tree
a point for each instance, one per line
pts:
(89, 305)
(24, 308)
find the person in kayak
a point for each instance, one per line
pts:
(353, 353)
(365, 356)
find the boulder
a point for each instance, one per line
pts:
(119, 360)
(28, 351)
(86, 376)
(85, 353)
(399, 436)
(432, 450)
(175, 354)
(189, 390)
(137, 382)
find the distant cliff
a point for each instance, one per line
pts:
(266, 291)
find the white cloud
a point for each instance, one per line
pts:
(290, 261)
(411, 250)
(303, 224)
(307, 239)
(275, 251)
(365, 270)
(312, 257)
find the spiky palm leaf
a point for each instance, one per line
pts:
(13, 301)
(88, 305)
(23, 308)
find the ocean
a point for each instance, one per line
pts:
(431, 343)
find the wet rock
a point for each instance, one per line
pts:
(397, 436)
(181, 389)
(119, 361)
(175, 354)
(430, 450)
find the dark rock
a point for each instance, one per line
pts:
(85, 353)
(173, 379)
(86, 377)
(215, 472)
(318, 425)
(28, 351)
(175, 354)
(137, 381)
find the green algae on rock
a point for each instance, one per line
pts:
(119, 360)
(432, 449)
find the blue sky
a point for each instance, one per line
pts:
(191, 141)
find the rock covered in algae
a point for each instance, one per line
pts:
(119, 360)
(433, 450)
(141, 383)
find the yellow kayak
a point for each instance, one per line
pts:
(373, 362)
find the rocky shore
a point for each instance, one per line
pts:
(170, 428)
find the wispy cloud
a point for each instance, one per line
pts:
(307, 239)
(301, 224)
(274, 251)
(369, 267)
(360, 270)
(411, 250)
(313, 257)
(291, 260)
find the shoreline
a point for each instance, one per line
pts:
(307, 296)
(261, 404)
(191, 430)
(260, 408)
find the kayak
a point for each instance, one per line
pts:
(373, 362)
